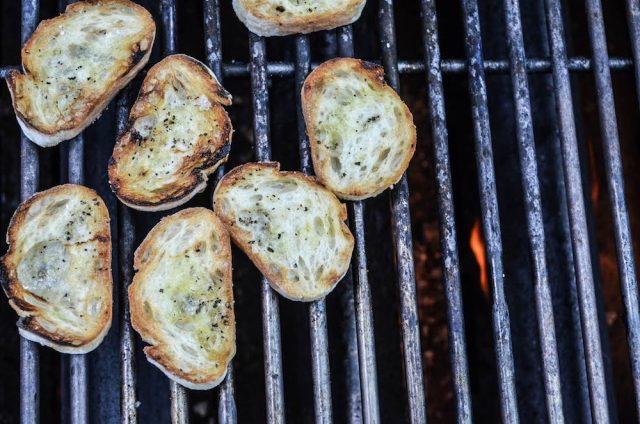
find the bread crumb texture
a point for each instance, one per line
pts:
(282, 17)
(181, 297)
(73, 62)
(178, 133)
(57, 272)
(290, 226)
(362, 135)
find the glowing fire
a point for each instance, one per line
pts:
(477, 247)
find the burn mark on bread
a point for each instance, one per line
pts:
(136, 57)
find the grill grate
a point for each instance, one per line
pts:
(363, 397)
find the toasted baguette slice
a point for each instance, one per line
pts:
(75, 64)
(290, 226)
(178, 134)
(181, 298)
(361, 133)
(57, 272)
(284, 17)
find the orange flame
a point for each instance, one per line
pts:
(477, 247)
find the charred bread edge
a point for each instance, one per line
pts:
(186, 383)
(264, 269)
(376, 74)
(45, 139)
(22, 308)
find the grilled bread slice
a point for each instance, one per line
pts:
(57, 272)
(284, 17)
(75, 64)
(181, 298)
(362, 135)
(290, 226)
(178, 134)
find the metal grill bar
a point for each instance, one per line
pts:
(401, 235)
(213, 49)
(77, 363)
(126, 237)
(318, 309)
(489, 211)
(447, 66)
(347, 295)
(535, 225)
(179, 412)
(79, 395)
(270, 309)
(362, 290)
(168, 12)
(577, 215)
(29, 183)
(451, 266)
(615, 183)
(178, 394)
(633, 19)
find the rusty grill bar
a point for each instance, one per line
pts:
(518, 66)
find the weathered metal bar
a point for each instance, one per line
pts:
(401, 235)
(270, 309)
(126, 240)
(227, 413)
(317, 309)
(535, 224)
(447, 66)
(361, 288)
(451, 265)
(577, 216)
(78, 378)
(178, 394)
(615, 183)
(29, 184)
(489, 211)
(179, 402)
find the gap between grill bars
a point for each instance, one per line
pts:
(518, 67)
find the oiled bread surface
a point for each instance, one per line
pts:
(57, 272)
(181, 298)
(283, 17)
(75, 63)
(178, 134)
(290, 226)
(362, 135)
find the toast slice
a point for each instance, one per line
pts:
(177, 135)
(57, 271)
(75, 64)
(290, 226)
(361, 133)
(284, 17)
(181, 298)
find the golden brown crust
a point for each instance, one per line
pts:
(47, 135)
(241, 238)
(312, 90)
(266, 24)
(205, 154)
(158, 353)
(15, 292)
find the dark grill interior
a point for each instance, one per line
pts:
(523, 234)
